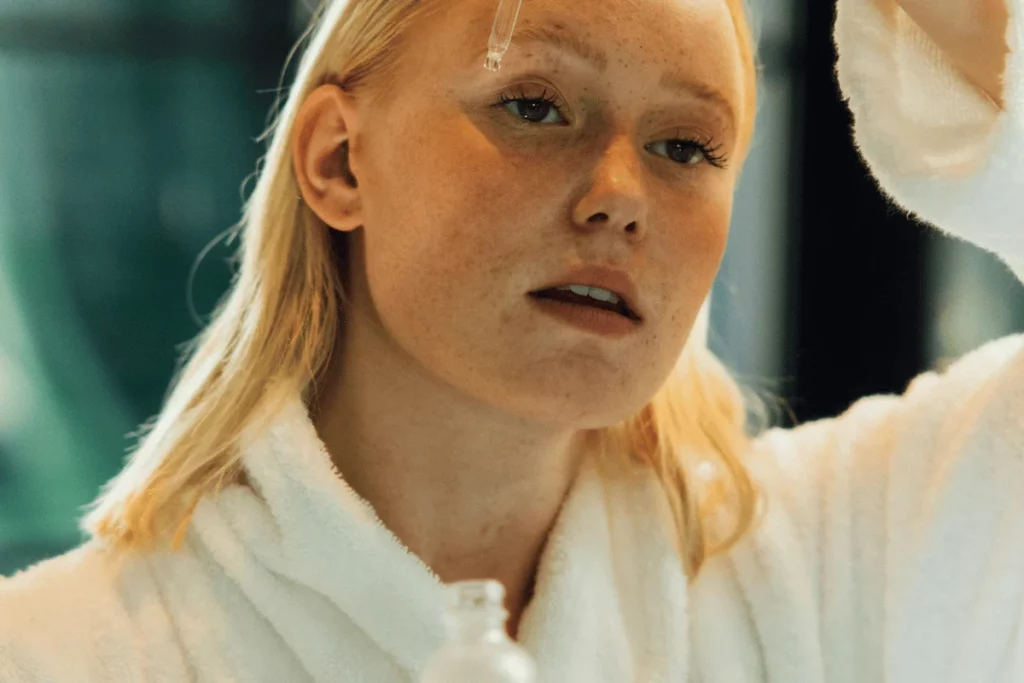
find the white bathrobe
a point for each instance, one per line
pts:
(892, 548)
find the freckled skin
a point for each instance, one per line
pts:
(466, 207)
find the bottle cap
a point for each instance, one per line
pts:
(476, 595)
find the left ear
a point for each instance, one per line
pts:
(322, 134)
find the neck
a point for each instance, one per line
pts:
(471, 491)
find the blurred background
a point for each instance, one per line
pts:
(127, 128)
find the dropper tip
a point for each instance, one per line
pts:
(493, 62)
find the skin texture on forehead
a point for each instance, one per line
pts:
(697, 35)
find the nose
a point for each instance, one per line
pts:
(616, 197)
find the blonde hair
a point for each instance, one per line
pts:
(273, 334)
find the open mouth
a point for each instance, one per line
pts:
(571, 297)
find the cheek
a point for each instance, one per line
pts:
(450, 200)
(446, 220)
(688, 257)
(697, 243)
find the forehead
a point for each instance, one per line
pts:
(686, 42)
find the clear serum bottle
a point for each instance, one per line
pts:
(478, 649)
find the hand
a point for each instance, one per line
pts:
(972, 34)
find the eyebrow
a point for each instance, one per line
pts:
(671, 80)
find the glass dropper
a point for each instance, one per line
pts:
(501, 34)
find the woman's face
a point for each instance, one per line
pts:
(475, 192)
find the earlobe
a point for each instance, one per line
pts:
(320, 158)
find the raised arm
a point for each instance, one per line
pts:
(937, 92)
(893, 546)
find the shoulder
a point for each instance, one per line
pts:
(70, 618)
(985, 384)
(951, 430)
(889, 518)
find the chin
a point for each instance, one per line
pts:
(581, 412)
(578, 393)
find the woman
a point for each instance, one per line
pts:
(397, 394)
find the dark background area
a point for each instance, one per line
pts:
(857, 319)
(127, 129)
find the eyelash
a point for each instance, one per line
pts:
(707, 147)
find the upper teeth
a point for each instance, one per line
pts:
(593, 292)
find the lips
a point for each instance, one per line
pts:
(611, 279)
(572, 298)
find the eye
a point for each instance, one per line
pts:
(533, 109)
(683, 151)
(691, 151)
